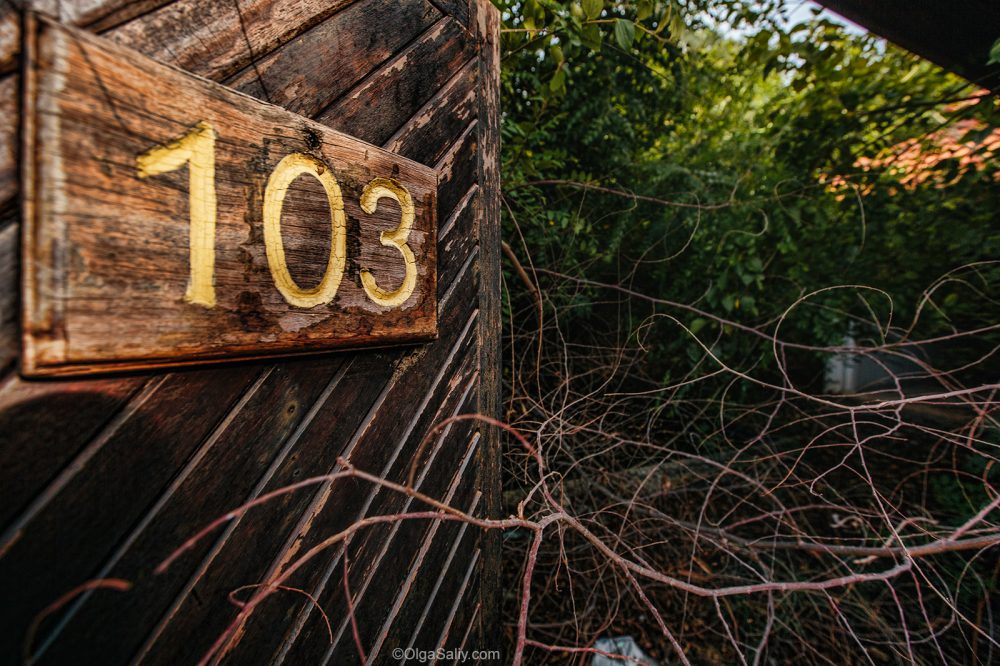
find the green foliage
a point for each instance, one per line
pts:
(994, 53)
(752, 130)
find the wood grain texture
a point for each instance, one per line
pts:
(96, 437)
(418, 597)
(251, 437)
(456, 600)
(309, 73)
(384, 446)
(33, 419)
(8, 137)
(397, 91)
(487, 27)
(428, 136)
(36, 569)
(381, 561)
(10, 265)
(457, 9)
(106, 251)
(10, 38)
(214, 38)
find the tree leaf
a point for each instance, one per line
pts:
(644, 10)
(528, 16)
(994, 54)
(558, 83)
(591, 37)
(624, 33)
(593, 8)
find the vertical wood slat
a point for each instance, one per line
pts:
(487, 31)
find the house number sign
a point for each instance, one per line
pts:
(169, 220)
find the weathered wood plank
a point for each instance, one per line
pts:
(102, 15)
(427, 606)
(9, 282)
(452, 540)
(107, 488)
(471, 629)
(455, 603)
(457, 169)
(131, 267)
(95, 14)
(311, 72)
(201, 607)
(428, 138)
(222, 472)
(376, 108)
(486, 20)
(342, 503)
(8, 138)
(457, 239)
(343, 399)
(34, 418)
(457, 9)
(206, 607)
(10, 37)
(380, 588)
(216, 39)
(380, 557)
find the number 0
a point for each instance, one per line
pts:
(288, 169)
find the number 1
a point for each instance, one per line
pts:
(196, 148)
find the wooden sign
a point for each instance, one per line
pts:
(169, 220)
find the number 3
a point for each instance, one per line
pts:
(375, 190)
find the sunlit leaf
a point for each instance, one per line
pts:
(994, 54)
(624, 33)
(591, 37)
(593, 8)
(644, 10)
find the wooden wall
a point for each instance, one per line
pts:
(103, 477)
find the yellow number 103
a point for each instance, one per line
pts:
(196, 148)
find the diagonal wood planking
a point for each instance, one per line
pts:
(433, 107)
(430, 68)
